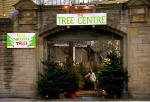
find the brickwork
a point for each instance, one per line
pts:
(6, 64)
(17, 67)
(139, 68)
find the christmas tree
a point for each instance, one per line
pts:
(58, 79)
(112, 75)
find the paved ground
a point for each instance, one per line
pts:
(52, 100)
(81, 96)
(78, 99)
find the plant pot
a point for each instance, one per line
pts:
(115, 96)
(73, 96)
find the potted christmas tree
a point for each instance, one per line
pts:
(56, 79)
(112, 75)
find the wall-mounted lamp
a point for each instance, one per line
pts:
(4, 14)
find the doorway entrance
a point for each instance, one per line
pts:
(89, 48)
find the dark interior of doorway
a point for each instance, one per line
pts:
(89, 46)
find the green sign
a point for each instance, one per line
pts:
(21, 40)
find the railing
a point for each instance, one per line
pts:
(63, 2)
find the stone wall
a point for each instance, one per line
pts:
(138, 61)
(17, 67)
(6, 56)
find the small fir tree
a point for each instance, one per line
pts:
(111, 75)
(58, 79)
(47, 85)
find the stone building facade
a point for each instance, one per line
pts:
(19, 67)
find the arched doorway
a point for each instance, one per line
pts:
(89, 44)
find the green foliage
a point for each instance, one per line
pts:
(72, 74)
(111, 75)
(47, 84)
(57, 79)
(82, 69)
(88, 85)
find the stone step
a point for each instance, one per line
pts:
(85, 93)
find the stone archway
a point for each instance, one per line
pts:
(75, 33)
(95, 33)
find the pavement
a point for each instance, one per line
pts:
(82, 96)
(78, 99)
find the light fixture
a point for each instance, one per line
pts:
(118, 2)
(76, 7)
(4, 14)
(86, 7)
(66, 7)
(82, 6)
